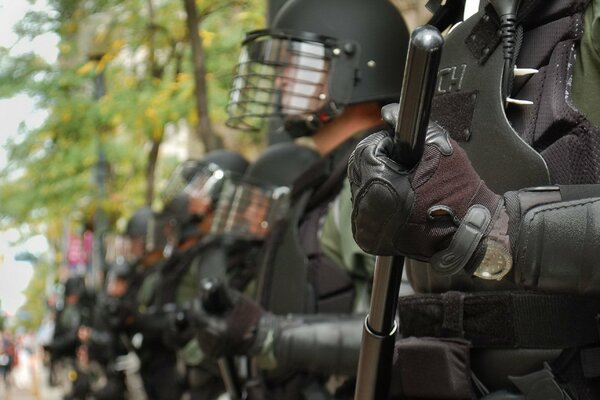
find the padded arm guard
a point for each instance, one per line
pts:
(556, 245)
(316, 344)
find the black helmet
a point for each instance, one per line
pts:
(137, 226)
(319, 56)
(75, 285)
(185, 172)
(120, 269)
(281, 163)
(226, 160)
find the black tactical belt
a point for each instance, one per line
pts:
(503, 319)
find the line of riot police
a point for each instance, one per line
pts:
(249, 282)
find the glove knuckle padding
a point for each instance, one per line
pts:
(380, 191)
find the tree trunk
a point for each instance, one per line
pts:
(150, 171)
(204, 127)
(155, 73)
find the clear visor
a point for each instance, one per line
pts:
(203, 190)
(178, 180)
(161, 231)
(121, 249)
(276, 76)
(247, 209)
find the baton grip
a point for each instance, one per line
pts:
(418, 86)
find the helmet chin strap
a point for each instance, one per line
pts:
(308, 125)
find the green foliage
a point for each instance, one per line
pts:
(141, 49)
(35, 304)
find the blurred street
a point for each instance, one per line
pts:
(29, 380)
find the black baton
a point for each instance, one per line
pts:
(379, 330)
(211, 294)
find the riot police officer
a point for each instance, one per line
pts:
(104, 336)
(191, 202)
(133, 313)
(507, 271)
(325, 68)
(65, 342)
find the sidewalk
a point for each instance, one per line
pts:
(29, 380)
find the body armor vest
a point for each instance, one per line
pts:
(295, 275)
(566, 141)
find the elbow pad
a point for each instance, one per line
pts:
(555, 238)
(329, 346)
(558, 247)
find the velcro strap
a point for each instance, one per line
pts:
(590, 362)
(504, 319)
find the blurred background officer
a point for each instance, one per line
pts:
(190, 199)
(132, 289)
(65, 343)
(325, 68)
(103, 339)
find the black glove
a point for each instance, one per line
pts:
(179, 330)
(118, 311)
(439, 211)
(226, 328)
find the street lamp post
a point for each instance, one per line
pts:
(100, 178)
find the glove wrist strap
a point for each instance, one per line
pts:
(464, 243)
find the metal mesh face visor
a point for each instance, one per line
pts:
(279, 75)
(248, 209)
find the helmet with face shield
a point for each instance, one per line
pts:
(185, 172)
(248, 208)
(132, 246)
(117, 279)
(318, 56)
(192, 191)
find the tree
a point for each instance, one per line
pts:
(144, 53)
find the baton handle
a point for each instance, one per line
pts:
(379, 331)
(418, 86)
(214, 302)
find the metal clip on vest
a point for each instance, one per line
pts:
(379, 331)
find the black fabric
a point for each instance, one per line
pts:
(590, 362)
(538, 45)
(506, 319)
(332, 287)
(432, 368)
(569, 143)
(160, 378)
(570, 372)
(533, 13)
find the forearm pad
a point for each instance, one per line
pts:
(327, 346)
(556, 246)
